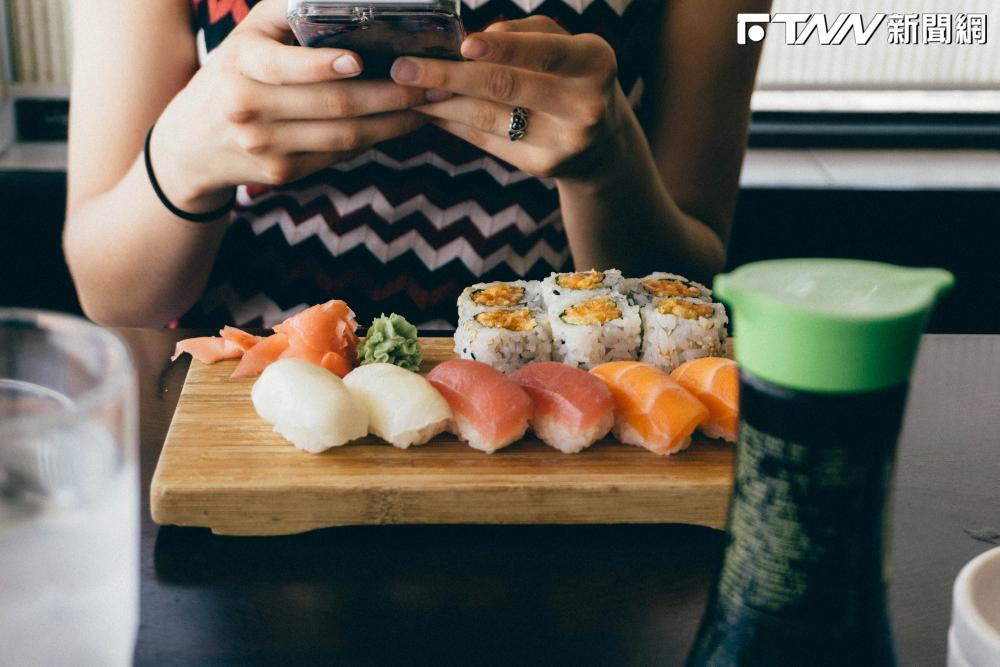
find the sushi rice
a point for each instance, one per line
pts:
(504, 338)
(590, 330)
(468, 431)
(558, 435)
(675, 330)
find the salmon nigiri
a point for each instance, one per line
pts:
(715, 381)
(489, 410)
(573, 409)
(651, 409)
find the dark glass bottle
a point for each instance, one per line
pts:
(804, 576)
(826, 348)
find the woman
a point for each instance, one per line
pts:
(394, 194)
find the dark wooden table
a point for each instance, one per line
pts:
(541, 594)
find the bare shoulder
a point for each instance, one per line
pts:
(129, 59)
(706, 30)
(128, 9)
(117, 26)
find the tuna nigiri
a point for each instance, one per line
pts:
(651, 409)
(715, 381)
(489, 410)
(573, 409)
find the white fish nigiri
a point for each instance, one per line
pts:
(403, 408)
(308, 405)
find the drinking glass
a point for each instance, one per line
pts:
(69, 493)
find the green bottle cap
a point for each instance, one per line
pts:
(830, 325)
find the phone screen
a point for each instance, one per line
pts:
(383, 36)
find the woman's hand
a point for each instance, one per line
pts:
(263, 111)
(578, 115)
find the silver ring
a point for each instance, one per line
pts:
(518, 123)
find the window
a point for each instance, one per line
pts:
(35, 58)
(39, 39)
(922, 93)
(882, 75)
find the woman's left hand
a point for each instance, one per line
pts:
(577, 114)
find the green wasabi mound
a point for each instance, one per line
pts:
(391, 340)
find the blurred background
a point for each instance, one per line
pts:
(882, 151)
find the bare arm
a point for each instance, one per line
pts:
(667, 204)
(260, 111)
(133, 262)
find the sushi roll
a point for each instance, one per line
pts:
(561, 286)
(484, 296)
(592, 330)
(489, 410)
(675, 330)
(403, 408)
(652, 410)
(504, 338)
(573, 409)
(643, 291)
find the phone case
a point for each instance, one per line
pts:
(380, 30)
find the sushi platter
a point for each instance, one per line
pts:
(223, 467)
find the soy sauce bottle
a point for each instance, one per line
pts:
(825, 349)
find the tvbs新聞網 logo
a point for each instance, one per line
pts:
(901, 28)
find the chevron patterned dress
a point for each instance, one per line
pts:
(406, 225)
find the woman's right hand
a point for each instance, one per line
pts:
(263, 111)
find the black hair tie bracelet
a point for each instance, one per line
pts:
(208, 216)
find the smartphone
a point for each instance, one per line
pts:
(380, 30)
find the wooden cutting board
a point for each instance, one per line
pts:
(222, 467)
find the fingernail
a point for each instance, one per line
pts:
(346, 65)
(436, 95)
(473, 47)
(405, 71)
